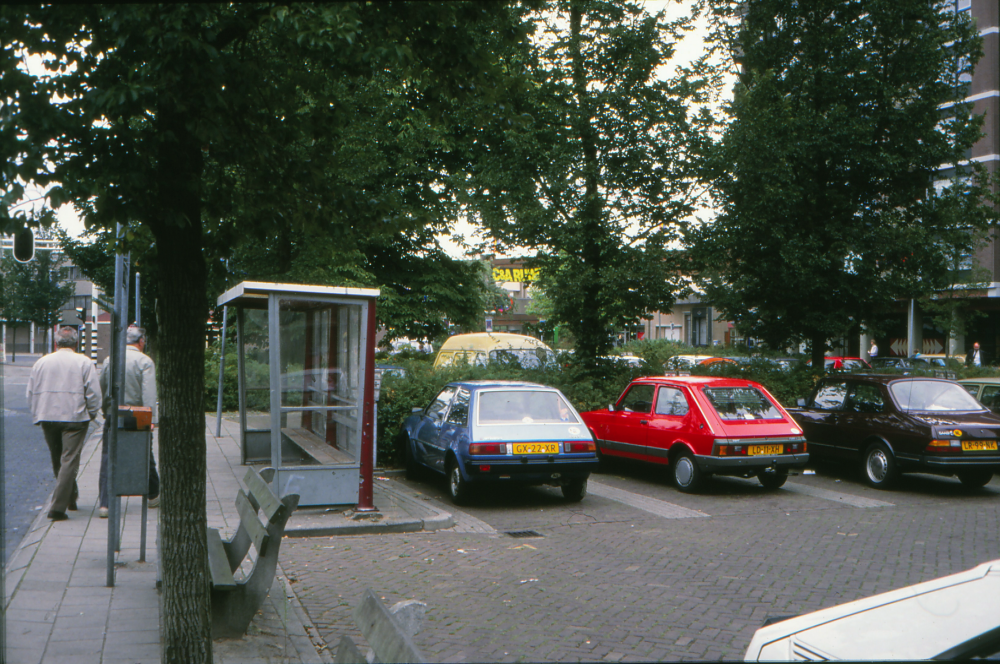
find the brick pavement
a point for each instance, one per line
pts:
(611, 582)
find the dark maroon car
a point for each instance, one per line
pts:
(892, 424)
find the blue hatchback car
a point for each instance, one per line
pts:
(500, 432)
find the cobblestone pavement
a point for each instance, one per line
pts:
(641, 572)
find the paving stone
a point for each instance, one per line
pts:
(646, 588)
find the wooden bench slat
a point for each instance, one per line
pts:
(218, 564)
(262, 494)
(317, 448)
(251, 522)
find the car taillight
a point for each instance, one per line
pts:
(477, 449)
(944, 446)
(795, 448)
(579, 447)
(722, 449)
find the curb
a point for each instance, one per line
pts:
(437, 520)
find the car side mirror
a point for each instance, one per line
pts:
(416, 409)
(611, 408)
(802, 403)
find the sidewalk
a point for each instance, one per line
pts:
(58, 608)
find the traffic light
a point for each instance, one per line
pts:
(81, 314)
(24, 245)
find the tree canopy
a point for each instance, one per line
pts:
(598, 170)
(201, 128)
(833, 204)
(33, 292)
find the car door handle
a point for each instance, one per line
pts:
(643, 421)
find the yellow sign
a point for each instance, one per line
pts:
(515, 274)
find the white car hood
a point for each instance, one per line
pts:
(922, 621)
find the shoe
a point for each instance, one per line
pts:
(57, 516)
(153, 502)
(103, 512)
(72, 505)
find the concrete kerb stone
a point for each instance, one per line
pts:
(438, 520)
(407, 514)
(400, 512)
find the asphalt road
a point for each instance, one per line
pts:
(641, 572)
(27, 470)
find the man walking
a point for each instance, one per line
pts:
(140, 390)
(64, 396)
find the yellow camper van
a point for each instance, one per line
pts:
(485, 347)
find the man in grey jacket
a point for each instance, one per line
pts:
(64, 396)
(140, 390)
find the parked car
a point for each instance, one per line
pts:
(500, 432)
(626, 359)
(986, 391)
(683, 363)
(843, 364)
(400, 344)
(701, 426)
(897, 364)
(892, 424)
(949, 618)
(485, 347)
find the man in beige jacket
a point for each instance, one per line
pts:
(64, 396)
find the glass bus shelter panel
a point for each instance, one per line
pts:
(320, 382)
(255, 385)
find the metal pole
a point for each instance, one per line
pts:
(118, 328)
(222, 366)
(138, 310)
(367, 456)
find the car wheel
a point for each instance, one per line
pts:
(575, 490)
(458, 486)
(879, 466)
(975, 479)
(687, 476)
(772, 479)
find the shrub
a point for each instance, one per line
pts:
(400, 395)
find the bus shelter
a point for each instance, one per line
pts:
(306, 362)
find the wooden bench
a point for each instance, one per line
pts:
(235, 602)
(317, 448)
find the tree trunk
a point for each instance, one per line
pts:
(183, 311)
(818, 341)
(588, 325)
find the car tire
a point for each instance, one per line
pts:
(878, 466)
(772, 479)
(575, 490)
(975, 479)
(687, 476)
(458, 486)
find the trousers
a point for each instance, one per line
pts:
(65, 441)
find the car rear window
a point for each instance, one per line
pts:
(741, 403)
(529, 358)
(933, 395)
(524, 407)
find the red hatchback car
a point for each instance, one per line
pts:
(701, 426)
